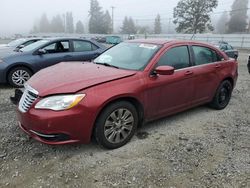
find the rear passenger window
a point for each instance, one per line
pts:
(204, 55)
(177, 57)
(82, 46)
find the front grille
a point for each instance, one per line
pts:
(28, 98)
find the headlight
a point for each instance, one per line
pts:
(60, 102)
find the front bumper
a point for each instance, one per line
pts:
(55, 128)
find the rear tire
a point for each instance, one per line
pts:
(18, 76)
(116, 125)
(222, 95)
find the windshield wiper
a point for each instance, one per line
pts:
(106, 64)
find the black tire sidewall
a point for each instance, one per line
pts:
(215, 103)
(99, 125)
(10, 81)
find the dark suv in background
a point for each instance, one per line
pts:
(16, 69)
(228, 49)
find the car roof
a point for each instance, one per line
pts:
(55, 39)
(64, 38)
(151, 41)
(163, 41)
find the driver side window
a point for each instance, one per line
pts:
(57, 47)
(177, 57)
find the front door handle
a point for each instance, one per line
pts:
(188, 73)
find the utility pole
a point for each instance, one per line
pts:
(112, 18)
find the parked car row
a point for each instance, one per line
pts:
(228, 49)
(18, 67)
(16, 45)
(129, 84)
(113, 40)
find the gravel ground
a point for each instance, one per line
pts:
(196, 148)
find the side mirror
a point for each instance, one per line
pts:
(18, 48)
(21, 46)
(164, 70)
(41, 51)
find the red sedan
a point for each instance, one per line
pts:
(131, 83)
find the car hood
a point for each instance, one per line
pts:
(71, 77)
(4, 52)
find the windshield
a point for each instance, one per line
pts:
(15, 43)
(34, 45)
(132, 56)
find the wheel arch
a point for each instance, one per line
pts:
(134, 101)
(18, 65)
(230, 79)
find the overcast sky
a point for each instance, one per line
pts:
(18, 16)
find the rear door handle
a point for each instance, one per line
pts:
(188, 73)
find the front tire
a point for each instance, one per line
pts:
(116, 125)
(18, 76)
(222, 95)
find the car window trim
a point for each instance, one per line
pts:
(176, 46)
(203, 46)
(73, 48)
(151, 70)
(51, 42)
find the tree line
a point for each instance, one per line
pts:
(102, 23)
(189, 16)
(58, 24)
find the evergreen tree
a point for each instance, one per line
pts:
(56, 24)
(128, 26)
(44, 25)
(143, 29)
(132, 28)
(107, 23)
(222, 23)
(79, 27)
(69, 22)
(238, 19)
(157, 28)
(35, 29)
(96, 17)
(125, 26)
(192, 16)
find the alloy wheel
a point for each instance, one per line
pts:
(118, 125)
(19, 77)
